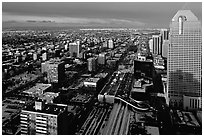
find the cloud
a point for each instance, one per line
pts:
(71, 20)
(130, 22)
(43, 21)
(31, 21)
(100, 21)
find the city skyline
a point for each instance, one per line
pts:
(94, 14)
(101, 68)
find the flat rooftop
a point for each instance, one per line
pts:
(93, 80)
(138, 86)
(152, 130)
(55, 61)
(185, 118)
(11, 107)
(40, 87)
(81, 98)
(101, 75)
(53, 109)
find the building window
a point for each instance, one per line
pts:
(192, 103)
(195, 103)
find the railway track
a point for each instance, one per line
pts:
(112, 114)
(118, 121)
(94, 121)
(113, 121)
(107, 121)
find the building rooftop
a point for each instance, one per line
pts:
(152, 130)
(81, 98)
(48, 96)
(53, 109)
(11, 107)
(73, 44)
(54, 61)
(93, 80)
(140, 85)
(184, 118)
(40, 87)
(101, 75)
(187, 13)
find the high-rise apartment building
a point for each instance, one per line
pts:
(75, 49)
(165, 47)
(165, 34)
(151, 45)
(91, 64)
(105, 44)
(102, 58)
(44, 119)
(184, 60)
(35, 56)
(55, 71)
(165, 42)
(157, 44)
(110, 44)
(44, 56)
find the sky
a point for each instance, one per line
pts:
(107, 14)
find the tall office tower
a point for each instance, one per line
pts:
(151, 45)
(157, 47)
(44, 119)
(184, 61)
(75, 49)
(165, 42)
(102, 59)
(91, 64)
(56, 71)
(110, 44)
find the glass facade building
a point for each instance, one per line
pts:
(184, 58)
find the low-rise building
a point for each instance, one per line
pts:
(38, 89)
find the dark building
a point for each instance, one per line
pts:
(57, 53)
(143, 68)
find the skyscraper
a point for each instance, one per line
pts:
(165, 42)
(157, 47)
(184, 61)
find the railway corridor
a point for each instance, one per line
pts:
(112, 120)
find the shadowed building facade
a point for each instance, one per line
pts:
(184, 61)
